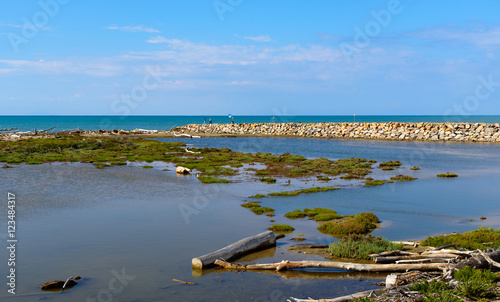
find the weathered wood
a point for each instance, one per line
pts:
(368, 293)
(239, 248)
(283, 265)
(392, 259)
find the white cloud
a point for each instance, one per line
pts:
(480, 38)
(137, 28)
(265, 38)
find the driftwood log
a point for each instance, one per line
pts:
(283, 265)
(239, 248)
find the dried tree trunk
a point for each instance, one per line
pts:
(239, 248)
(335, 265)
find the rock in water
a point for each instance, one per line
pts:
(57, 285)
(182, 170)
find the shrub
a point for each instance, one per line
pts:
(474, 283)
(359, 247)
(362, 223)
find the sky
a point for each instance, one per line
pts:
(249, 57)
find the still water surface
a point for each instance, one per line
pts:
(145, 225)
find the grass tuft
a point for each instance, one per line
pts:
(359, 247)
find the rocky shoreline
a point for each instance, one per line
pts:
(455, 132)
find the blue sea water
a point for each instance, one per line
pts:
(29, 123)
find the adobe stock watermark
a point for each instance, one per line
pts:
(363, 36)
(483, 91)
(201, 200)
(223, 6)
(123, 105)
(116, 285)
(31, 27)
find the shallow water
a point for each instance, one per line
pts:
(147, 224)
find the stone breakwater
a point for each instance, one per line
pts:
(455, 132)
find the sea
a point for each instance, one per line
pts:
(61, 122)
(130, 232)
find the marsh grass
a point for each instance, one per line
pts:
(267, 179)
(415, 168)
(361, 223)
(251, 204)
(295, 193)
(211, 180)
(394, 163)
(147, 167)
(359, 247)
(401, 177)
(261, 210)
(376, 182)
(471, 240)
(281, 228)
(447, 175)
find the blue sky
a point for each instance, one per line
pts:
(249, 57)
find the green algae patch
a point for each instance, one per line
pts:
(447, 175)
(376, 182)
(392, 164)
(281, 228)
(403, 178)
(482, 238)
(250, 204)
(261, 210)
(295, 193)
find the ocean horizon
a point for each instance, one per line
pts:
(165, 122)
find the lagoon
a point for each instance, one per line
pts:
(74, 219)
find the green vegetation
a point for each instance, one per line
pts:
(359, 246)
(435, 291)
(376, 182)
(210, 180)
(261, 172)
(147, 167)
(267, 179)
(447, 174)
(281, 228)
(415, 168)
(251, 204)
(361, 223)
(295, 193)
(474, 284)
(482, 238)
(318, 214)
(261, 210)
(402, 178)
(394, 163)
(323, 178)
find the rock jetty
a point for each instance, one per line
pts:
(455, 132)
